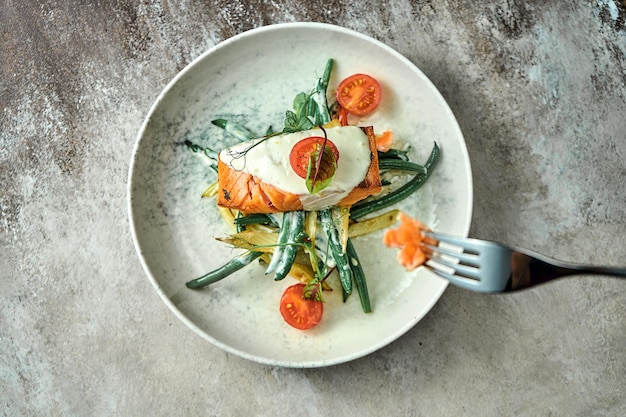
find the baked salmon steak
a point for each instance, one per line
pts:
(257, 176)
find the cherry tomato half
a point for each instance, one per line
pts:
(301, 153)
(298, 312)
(359, 94)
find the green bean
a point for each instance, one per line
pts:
(363, 209)
(359, 277)
(336, 249)
(206, 151)
(291, 250)
(227, 269)
(259, 218)
(239, 227)
(432, 160)
(288, 244)
(319, 95)
(234, 129)
(401, 165)
(283, 235)
(394, 154)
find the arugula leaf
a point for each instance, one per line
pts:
(321, 169)
(296, 123)
(291, 122)
(300, 103)
(313, 291)
(310, 109)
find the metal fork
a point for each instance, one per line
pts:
(490, 267)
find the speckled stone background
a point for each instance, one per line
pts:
(539, 91)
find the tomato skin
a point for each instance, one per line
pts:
(298, 312)
(359, 94)
(343, 117)
(301, 152)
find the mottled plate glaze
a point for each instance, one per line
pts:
(253, 78)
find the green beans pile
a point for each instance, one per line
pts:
(291, 232)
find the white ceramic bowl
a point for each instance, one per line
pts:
(252, 78)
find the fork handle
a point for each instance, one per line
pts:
(528, 271)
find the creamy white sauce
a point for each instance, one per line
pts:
(269, 161)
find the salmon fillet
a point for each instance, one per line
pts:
(247, 193)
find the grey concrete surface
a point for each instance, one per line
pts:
(539, 91)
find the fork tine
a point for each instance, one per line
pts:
(471, 272)
(461, 262)
(467, 283)
(441, 237)
(468, 258)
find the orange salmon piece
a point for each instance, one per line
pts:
(249, 194)
(408, 238)
(384, 141)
